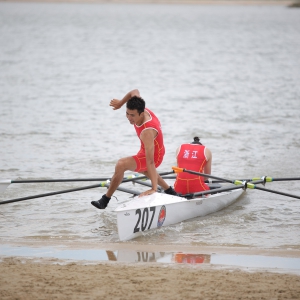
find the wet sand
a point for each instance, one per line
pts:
(51, 278)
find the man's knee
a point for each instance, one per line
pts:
(121, 164)
(126, 164)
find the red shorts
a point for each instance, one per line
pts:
(186, 186)
(141, 163)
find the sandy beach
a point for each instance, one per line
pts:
(49, 279)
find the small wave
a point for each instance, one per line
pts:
(103, 231)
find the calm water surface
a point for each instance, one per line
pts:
(228, 74)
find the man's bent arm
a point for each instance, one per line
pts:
(119, 103)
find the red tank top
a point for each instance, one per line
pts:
(153, 123)
(191, 157)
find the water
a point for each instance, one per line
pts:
(254, 262)
(229, 74)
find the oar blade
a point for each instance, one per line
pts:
(4, 184)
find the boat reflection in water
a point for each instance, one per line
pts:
(164, 257)
(276, 263)
(184, 258)
(232, 260)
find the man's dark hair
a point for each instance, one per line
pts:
(137, 103)
(196, 140)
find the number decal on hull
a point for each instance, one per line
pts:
(136, 228)
(153, 213)
(145, 217)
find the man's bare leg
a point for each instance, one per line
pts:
(123, 164)
(163, 184)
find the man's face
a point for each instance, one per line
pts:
(134, 117)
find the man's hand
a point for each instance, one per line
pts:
(146, 193)
(116, 104)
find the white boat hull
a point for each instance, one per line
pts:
(159, 209)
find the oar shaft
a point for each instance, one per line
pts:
(59, 180)
(145, 177)
(271, 179)
(159, 188)
(50, 194)
(169, 177)
(286, 179)
(277, 192)
(240, 183)
(239, 187)
(207, 175)
(135, 193)
(80, 189)
(128, 178)
(214, 191)
(68, 191)
(69, 180)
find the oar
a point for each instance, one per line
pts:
(79, 179)
(144, 183)
(271, 179)
(238, 185)
(248, 185)
(214, 191)
(6, 182)
(180, 170)
(276, 192)
(267, 179)
(59, 180)
(236, 182)
(69, 191)
(102, 184)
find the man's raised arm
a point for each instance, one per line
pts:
(116, 104)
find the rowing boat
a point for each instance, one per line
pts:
(158, 210)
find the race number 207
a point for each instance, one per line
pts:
(143, 218)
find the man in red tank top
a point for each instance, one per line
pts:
(152, 149)
(194, 157)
